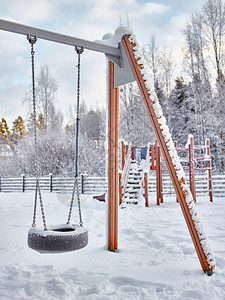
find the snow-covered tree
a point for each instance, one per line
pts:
(135, 126)
(182, 117)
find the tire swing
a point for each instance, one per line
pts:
(61, 237)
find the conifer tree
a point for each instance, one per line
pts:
(18, 129)
(4, 130)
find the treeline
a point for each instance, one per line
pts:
(56, 140)
(56, 148)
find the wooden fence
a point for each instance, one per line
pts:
(98, 185)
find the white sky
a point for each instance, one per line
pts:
(86, 19)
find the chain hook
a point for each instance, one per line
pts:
(32, 39)
(79, 49)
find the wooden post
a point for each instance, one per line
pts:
(122, 154)
(126, 148)
(120, 189)
(207, 142)
(158, 200)
(113, 116)
(146, 189)
(160, 177)
(178, 184)
(175, 144)
(192, 168)
(152, 157)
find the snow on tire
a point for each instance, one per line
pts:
(58, 238)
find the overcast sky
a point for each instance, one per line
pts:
(86, 19)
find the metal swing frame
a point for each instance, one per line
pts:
(123, 67)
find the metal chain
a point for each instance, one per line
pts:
(79, 51)
(32, 40)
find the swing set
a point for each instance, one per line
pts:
(124, 65)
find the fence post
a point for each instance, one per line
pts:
(207, 142)
(120, 188)
(146, 189)
(158, 200)
(82, 183)
(50, 182)
(175, 145)
(23, 183)
(192, 168)
(122, 154)
(152, 157)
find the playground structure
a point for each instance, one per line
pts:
(195, 160)
(125, 65)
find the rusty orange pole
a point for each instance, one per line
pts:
(192, 168)
(152, 157)
(175, 145)
(209, 170)
(126, 148)
(158, 200)
(120, 189)
(122, 154)
(146, 189)
(113, 117)
(136, 68)
(160, 177)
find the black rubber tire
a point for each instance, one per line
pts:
(58, 238)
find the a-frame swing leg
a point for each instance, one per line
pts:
(113, 124)
(178, 184)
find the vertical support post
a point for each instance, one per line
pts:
(113, 116)
(23, 183)
(126, 148)
(160, 177)
(0, 183)
(152, 157)
(175, 145)
(122, 154)
(207, 142)
(120, 189)
(192, 168)
(158, 200)
(50, 182)
(146, 189)
(133, 153)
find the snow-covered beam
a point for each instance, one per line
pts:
(111, 51)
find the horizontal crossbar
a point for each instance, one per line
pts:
(58, 38)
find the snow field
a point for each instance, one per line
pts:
(156, 258)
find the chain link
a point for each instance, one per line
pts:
(79, 51)
(32, 40)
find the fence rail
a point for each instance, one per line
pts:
(98, 185)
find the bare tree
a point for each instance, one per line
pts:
(214, 21)
(194, 54)
(151, 54)
(46, 91)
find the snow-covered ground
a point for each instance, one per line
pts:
(156, 258)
